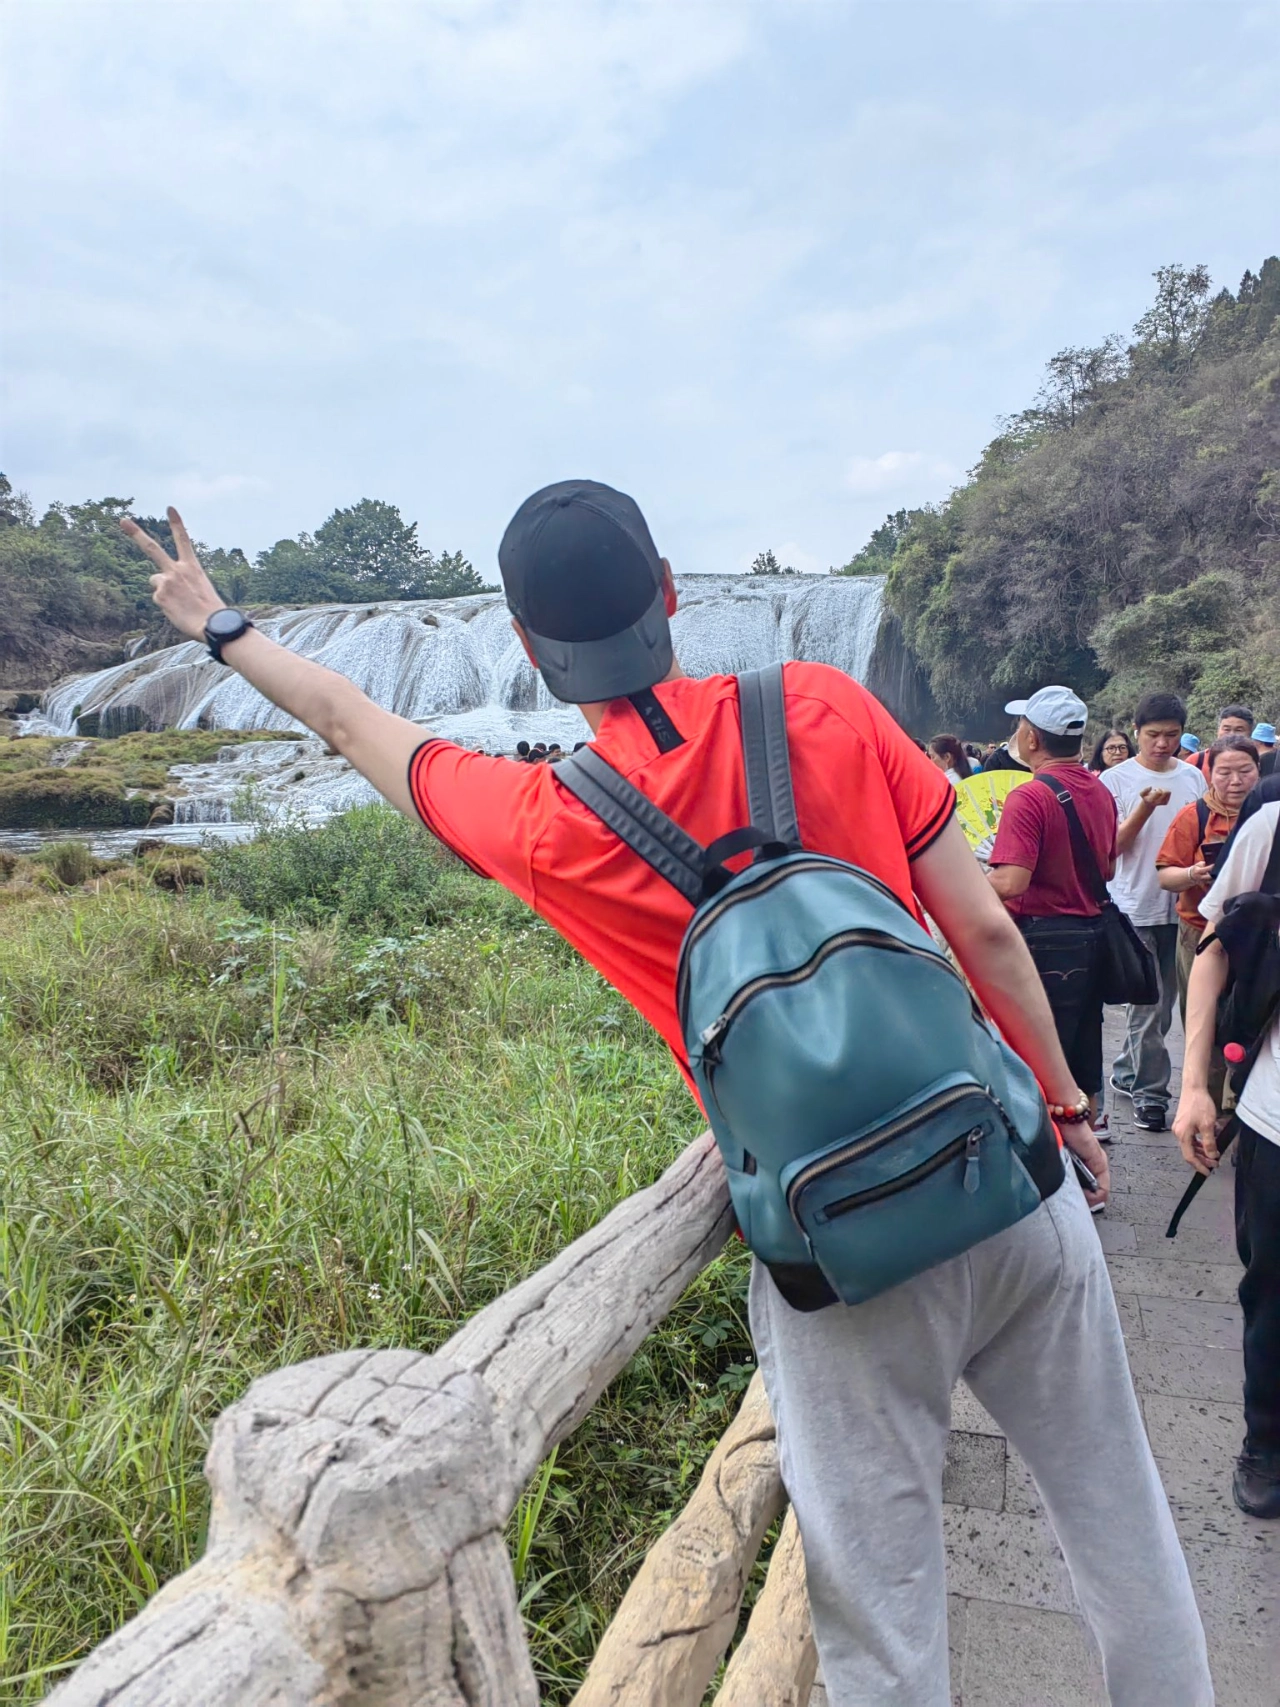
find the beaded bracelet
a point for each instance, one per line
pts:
(1070, 1112)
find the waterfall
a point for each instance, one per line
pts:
(456, 664)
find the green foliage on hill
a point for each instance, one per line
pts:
(1123, 532)
(72, 587)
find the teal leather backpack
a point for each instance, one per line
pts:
(872, 1122)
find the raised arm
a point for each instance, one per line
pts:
(376, 742)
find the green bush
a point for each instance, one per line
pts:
(70, 862)
(370, 868)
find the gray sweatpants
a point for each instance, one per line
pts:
(1142, 1068)
(862, 1398)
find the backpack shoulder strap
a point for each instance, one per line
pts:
(644, 827)
(1271, 876)
(1083, 856)
(1202, 817)
(770, 798)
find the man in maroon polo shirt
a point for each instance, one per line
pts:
(1036, 871)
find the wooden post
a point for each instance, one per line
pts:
(678, 1617)
(776, 1662)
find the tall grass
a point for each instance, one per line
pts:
(232, 1140)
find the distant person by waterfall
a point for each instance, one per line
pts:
(950, 757)
(860, 1396)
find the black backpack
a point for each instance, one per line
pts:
(1249, 931)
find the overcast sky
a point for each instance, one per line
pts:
(774, 267)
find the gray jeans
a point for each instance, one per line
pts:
(862, 1398)
(1143, 1067)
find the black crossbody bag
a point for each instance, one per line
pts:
(1128, 969)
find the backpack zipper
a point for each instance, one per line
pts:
(766, 881)
(860, 1147)
(712, 1037)
(967, 1145)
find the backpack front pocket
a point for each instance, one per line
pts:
(937, 1177)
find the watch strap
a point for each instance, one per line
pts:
(215, 642)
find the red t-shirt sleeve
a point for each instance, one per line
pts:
(1021, 830)
(489, 811)
(923, 799)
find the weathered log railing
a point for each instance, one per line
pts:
(356, 1550)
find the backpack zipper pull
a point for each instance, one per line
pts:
(971, 1146)
(711, 1037)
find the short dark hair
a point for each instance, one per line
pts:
(1160, 708)
(1230, 744)
(522, 747)
(1057, 746)
(1240, 711)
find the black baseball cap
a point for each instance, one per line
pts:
(584, 580)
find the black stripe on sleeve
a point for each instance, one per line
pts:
(924, 839)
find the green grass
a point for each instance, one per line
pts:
(229, 1141)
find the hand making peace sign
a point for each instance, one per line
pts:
(183, 591)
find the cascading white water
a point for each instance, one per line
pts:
(452, 663)
(456, 663)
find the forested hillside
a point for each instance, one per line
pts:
(1121, 533)
(72, 589)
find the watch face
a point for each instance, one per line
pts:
(225, 624)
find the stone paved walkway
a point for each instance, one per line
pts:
(1016, 1637)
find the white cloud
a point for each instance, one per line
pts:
(899, 471)
(194, 488)
(270, 256)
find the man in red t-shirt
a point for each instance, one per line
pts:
(861, 1397)
(1052, 887)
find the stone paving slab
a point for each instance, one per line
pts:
(1200, 1244)
(1017, 1656)
(1190, 1321)
(1203, 1509)
(1188, 1371)
(973, 1474)
(1005, 1556)
(1150, 1277)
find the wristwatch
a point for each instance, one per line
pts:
(222, 628)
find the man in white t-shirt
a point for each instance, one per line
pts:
(1150, 790)
(1244, 871)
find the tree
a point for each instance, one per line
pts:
(766, 563)
(371, 543)
(448, 576)
(1171, 328)
(877, 554)
(15, 507)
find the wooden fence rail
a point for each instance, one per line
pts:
(356, 1553)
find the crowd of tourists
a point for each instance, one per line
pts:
(540, 753)
(751, 861)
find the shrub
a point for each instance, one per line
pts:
(72, 863)
(369, 868)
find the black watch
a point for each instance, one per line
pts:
(222, 628)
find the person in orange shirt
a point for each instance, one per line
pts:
(1190, 852)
